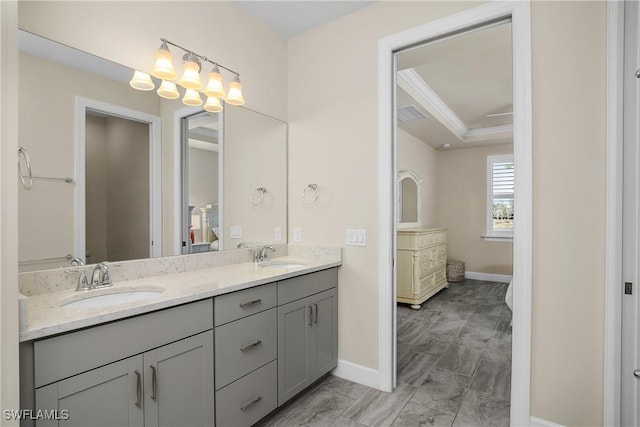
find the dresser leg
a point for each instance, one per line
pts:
(415, 306)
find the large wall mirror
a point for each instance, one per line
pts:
(409, 199)
(120, 174)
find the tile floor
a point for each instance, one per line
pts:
(454, 369)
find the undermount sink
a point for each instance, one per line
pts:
(111, 297)
(281, 264)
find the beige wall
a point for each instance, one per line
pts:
(96, 187)
(203, 177)
(569, 131)
(462, 208)
(417, 156)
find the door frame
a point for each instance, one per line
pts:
(155, 179)
(520, 13)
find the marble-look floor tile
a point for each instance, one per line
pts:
(493, 378)
(451, 327)
(378, 409)
(460, 359)
(409, 331)
(498, 350)
(429, 343)
(475, 335)
(346, 422)
(414, 415)
(442, 391)
(346, 388)
(482, 410)
(320, 408)
(413, 368)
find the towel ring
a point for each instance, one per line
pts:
(257, 196)
(27, 181)
(310, 193)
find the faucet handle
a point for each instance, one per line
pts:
(83, 282)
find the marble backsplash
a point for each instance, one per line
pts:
(46, 281)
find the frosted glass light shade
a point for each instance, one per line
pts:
(214, 87)
(191, 76)
(192, 98)
(168, 90)
(163, 69)
(234, 97)
(213, 105)
(141, 81)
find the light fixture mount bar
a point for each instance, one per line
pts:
(204, 58)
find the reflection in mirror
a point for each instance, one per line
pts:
(52, 218)
(409, 199)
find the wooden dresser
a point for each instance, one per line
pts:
(422, 264)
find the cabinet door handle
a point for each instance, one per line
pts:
(250, 346)
(310, 323)
(138, 401)
(315, 313)
(250, 404)
(154, 383)
(250, 303)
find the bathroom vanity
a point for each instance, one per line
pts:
(226, 354)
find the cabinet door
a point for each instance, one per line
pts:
(324, 332)
(178, 383)
(109, 396)
(294, 348)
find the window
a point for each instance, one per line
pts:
(500, 190)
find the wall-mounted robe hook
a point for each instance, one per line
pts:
(310, 193)
(257, 196)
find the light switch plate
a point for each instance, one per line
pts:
(297, 235)
(235, 232)
(356, 237)
(277, 234)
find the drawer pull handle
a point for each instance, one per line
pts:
(138, 401)
(154, 383)
(310, 315)
(250, 346)
(315, 313)
(250, 303)
(250, 404)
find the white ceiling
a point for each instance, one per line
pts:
(290, 18)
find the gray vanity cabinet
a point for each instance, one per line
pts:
(307, 331)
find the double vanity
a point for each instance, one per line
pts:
(223, 345)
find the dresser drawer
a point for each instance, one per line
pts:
(249, 399)
(245, 345)
(237, 305)
(424, 284)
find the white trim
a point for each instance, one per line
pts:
(489, 133)
(520, 13)
(613, 245)
(539, 422)
(155, 175)
(489, 277)
(356, 373)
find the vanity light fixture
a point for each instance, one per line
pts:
(190, 80)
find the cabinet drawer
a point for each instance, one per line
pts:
(424, 284)
(249, 399)
(302, 286)
(237, 305)
(245, 345)
(70, 354)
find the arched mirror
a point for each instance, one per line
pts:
(409, 195)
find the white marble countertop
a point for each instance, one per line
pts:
(46, 317)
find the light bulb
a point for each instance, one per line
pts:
(168, 90)
(234, 96)
(213, 105)
(163, 69)
(214, 87)
(191, 76)
(141, 81)
(192, 98)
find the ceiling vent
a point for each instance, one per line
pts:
(409, 113)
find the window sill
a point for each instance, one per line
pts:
(497, 238)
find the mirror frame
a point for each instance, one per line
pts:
(409, 174)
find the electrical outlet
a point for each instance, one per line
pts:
(297, 235)
(277, 234)
(356, 237)
(235, 232)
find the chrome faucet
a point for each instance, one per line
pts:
(263, 252)
(100, 276)
(242, 245)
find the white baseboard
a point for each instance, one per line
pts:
(539, 422)
(357, 373)
(502, 278)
